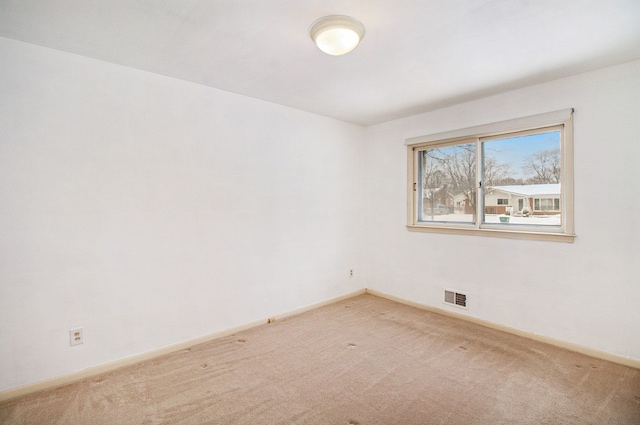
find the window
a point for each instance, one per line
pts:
(504, 179)
(546, 204)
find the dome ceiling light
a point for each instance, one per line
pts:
(336, 34)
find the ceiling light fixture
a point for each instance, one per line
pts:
(337, 34)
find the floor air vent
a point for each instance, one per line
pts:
(455, 298)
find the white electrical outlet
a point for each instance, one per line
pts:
(76, 337)
(351, 273)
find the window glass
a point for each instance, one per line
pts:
(447, 187)
(510, 179)
(525, 170)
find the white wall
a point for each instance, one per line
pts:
(585, 293)
(150, 211)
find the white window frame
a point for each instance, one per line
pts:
(553, 121)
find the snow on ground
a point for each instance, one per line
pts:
(533, 220)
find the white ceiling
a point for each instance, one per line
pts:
(417, 55)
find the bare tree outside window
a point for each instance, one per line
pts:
(543, 167)
(522, 169)
(446, 172)
(511, 167)
(499, 179)
(495, 172)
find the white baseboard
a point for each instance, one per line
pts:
(108, 367)
(603, 355)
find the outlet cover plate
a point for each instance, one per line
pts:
(76, 336)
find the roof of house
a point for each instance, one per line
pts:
(530, 189)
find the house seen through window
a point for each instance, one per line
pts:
(510, 181)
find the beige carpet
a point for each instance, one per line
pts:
(362, 361)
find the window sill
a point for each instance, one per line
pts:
(509, 234)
